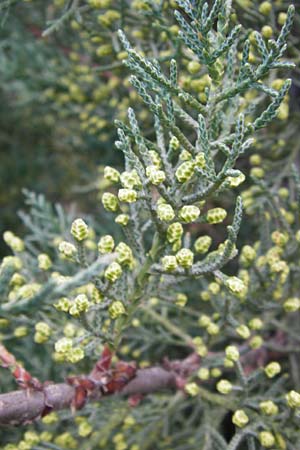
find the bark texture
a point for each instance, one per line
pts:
(24, 406)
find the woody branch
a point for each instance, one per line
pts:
(22, 406)
(26, 405)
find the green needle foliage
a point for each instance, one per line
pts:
(60, 94)
(195, 263)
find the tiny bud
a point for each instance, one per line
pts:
(104, 50)
(266, 438)
(155, 175)
(174, 143)
(224, 387)
(235, 285)
(192, 389)
(243, 331)
(97, 4)
(181, 300)
(96, 296)
(279, 238)
(232, 353)
(50, 418)
(213, 329)
(20, 332)
(292, 304)
(281, 18)
(124, 254)
(268, 408)
(31, 438)
(174, 232)
(116, 309)
(44, 261)
(130, 179)
(63, 304)
(127, 195)
(256, 323)
(193, 67)
(267, 31)
(14, 242)
(75, 355)
(111, 174)
(197, 340)
(256, 342)
(7, 237)
(169, 262)
(189, 213)
(272, 369)
(257, 172)
(283, 111)
(109, 201)
(228, 363)
(63, 345)
(240, 418)
(216, 372)
(265, 8)
(205, 296)
(82, 303)
(106, 244)
(283, 193)
(79, 230)
(216, 215)
(43, 327)
(236, 181)
(200, 160)
(17, 280)
(11, 261)
(255, 160)
(70, 330)
(203, 373)
(293, 399)
(155, 158)
(43, 332)
(214, 288)
(201, 350)
(280, 441)
(247, 255)
(185, 155)
(277, 83)
(67, 249)
(204, 321)
(185, 171)
(165, 212)
(176, 245)
(185, 258)
(4, 323)
(202, 244)
(122, 219)
(136, 323)
(84, 429)
(113, 272)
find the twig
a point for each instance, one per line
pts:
(24, 406)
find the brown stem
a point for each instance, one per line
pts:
(24, 406)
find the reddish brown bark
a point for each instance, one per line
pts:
(36, 399)
(23, 406)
